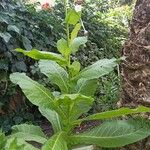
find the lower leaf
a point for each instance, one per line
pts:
(29, 133)
(114, 133)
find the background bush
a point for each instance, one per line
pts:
(22, 26)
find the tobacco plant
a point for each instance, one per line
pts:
(64, 109)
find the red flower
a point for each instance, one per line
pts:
(46, 6)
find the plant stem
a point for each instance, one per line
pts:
(67, 28)
(67, 25)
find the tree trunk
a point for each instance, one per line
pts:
(136, 68)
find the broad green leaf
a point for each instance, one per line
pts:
(55, 73)
(74, 68)
(72, 17)
(14, 145)
(13, 28)
(75, 31)
(117, 113)
(29, 133)
(5, 36)
(74, 105)
(98, 69)
(36, 93)
(53, 117)
(77, 42)
(56, 142)
(114, 133)
(35, 54)
(86, 87)
(62, 47)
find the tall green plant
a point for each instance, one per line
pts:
(65, 107)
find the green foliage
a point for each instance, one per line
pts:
(53, 117)
(115, 113)
(7, 143)
(56, 74)
(22, 26)
(73, 99)
(114, 134)
(29, 133)
(98, 69)
(41, 95)
(57, 142)
(37, 55)
(2, 140)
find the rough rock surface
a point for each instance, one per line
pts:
(136, 68)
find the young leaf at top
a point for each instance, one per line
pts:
(55, 73)
(36, 93)
(77, 42)
(72, 17)
(74, 105)
(37, 55)
(56, 142)
(98, 69)
(29, 133)
(75, 31)
(53, 117)
(114, 133)
(63, 48)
